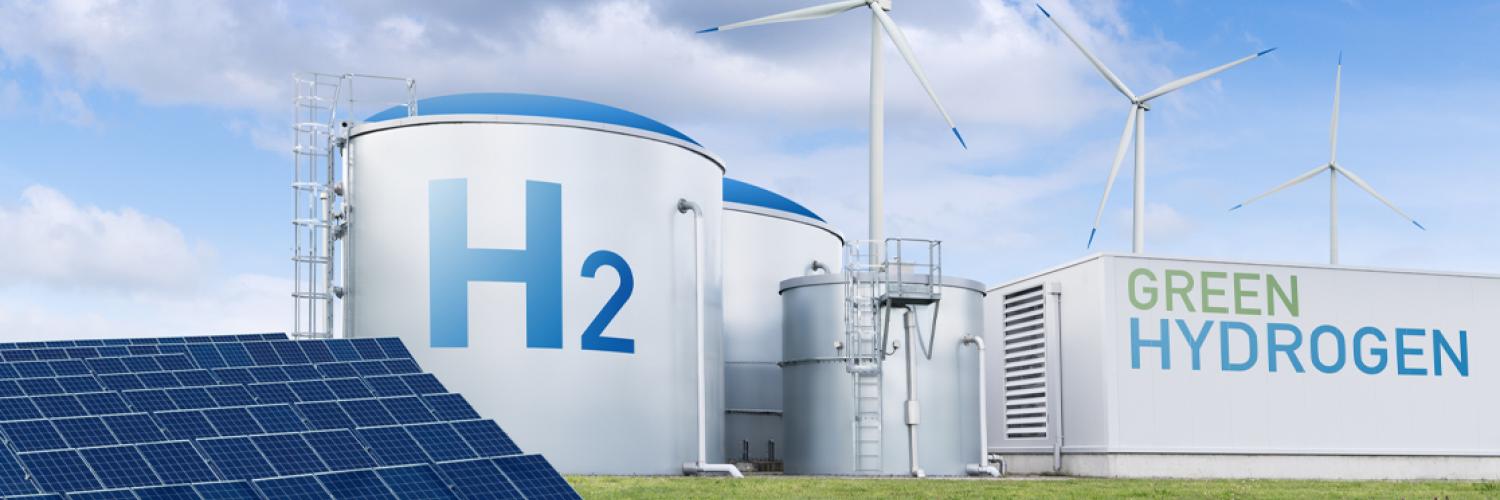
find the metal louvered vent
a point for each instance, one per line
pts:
(1025, 343)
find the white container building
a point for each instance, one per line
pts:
(1120, 365)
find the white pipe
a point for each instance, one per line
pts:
(702, 465)
(913, 410)
(982, 467)
(1057, 444)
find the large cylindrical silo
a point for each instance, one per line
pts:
(767, 238)
(820, 397)
(531, 252)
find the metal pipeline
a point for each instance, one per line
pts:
(1057, 444)
(982, 467)
(817, 265)
(913, 410)
(702, 465)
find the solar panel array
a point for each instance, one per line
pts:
(247, 416)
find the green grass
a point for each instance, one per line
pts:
(777, 487)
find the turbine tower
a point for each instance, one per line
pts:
(1135, 124)
(880, 24)
(1334, 171)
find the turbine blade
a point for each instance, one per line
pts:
(815, 12)
(1366, 186)
(1114, 168)
(1284, 185)
(1333, 134)
(904, 47)
(1108, 75)
(1190, 79)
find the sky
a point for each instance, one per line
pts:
(144, 146)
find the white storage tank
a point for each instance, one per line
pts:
(824, 401)
(767, 238)
(1128, 365)
(532, 252)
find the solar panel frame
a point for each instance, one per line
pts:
(196, 378)
(289, 454)
(121, 382)
(234, 375)
(138, 364)
(190, 398)
(186, 424)
(479, 479)
(292, 488)
(324, 415)
(392, 446)
(10, 388)
(342, 350)
(158, 380)
(441, 442)
(18, 408)
(272, 393)
(339, 449)
(317, 352)
(106, 366)
(40, 386)
(121, 494)
(119, 467)
(269, 374)
(59, 471)
(415, 482)
(134, 428)
(401, 366)
(388, 386)
(175, 362)
(18, 355)
(34, 369)
(230, 395)
(486, 437)
(289, 352)
(535, 477)
(33, 435)
(349, 388)
(277, 418)
(424, 383)
(450, 407)
(337, 370)
(8, 372)
(102, 403)
(177, 462)
(233, 421)
(408, 410)
(206, 355)
(312, 390)
(84, 432)
(262, 353)
(149, 400)
(302, 372)
(360, 484)
(13, 478)
(235, 355)
(393, 347)
(69, 367)
(367, 412)
(59, 406)
(142, 350)
(370, 368)
(368, 348)
(236, 458)
(226, 490)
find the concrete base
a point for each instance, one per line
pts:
(1259, 466)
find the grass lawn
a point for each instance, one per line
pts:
(778, 487)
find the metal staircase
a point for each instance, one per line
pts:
(320, 212)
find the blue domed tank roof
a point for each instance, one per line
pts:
(494, 103)
(737, 191)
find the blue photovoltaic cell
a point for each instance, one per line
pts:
(9, 388)
(195, 378)
(103, 495)
(103, 403)
(206, 355)
(424, 383)
(236, 458)
(440, 442)
(121, 382)
(59, 406)
(140, 364)
(302, 372)
(388, 386)
(235, 355)
(18, 355)
(414, 482)
(312, 390)
(143, 350)
(226, 491)
(367, 413)
(230, 395)
(370, 368)
(7, 371)
(84, 432)
(186, 424)
(70, 367)
(339, 449)
(277, 418)
(289, 454)
(60, 471)
(176, 462)
(233, 421)
(119, 467)
(12, 477)
(112, 351)
(149, 400)
(349, 388)
(190, 398)
(40, 386)
(292, 488)
(175, 362)
(55, 353)
(34, 369)
(479, 479)
(290, 352)
(535, 477)
(31, 345)
(361, 484)
(269, 374)
(234, 375)
(486, 438)
(79, 384)
(272, 393)
(393, 347)
(326, 415)
(262, 353)
(33, 435)
(172, 349)
(450, 407)
(408, 410)
(177, 492)
(105, 366)
(134, 428)
(368, 349)
(158, 380)
(402, 366)
(317, 352)
(337, 370)
(392, 446)
(18, 409)
(341, 348)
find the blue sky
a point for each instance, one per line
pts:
(143, 163)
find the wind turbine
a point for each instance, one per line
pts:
(1334, 171)
(879, 22)
(1135, 123)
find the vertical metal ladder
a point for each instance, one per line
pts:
(864, 342)
(320, 210)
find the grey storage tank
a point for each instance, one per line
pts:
(767, 238)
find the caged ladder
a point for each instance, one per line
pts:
(320, 208)
(872, 287)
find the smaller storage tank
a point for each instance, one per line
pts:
(824, 402)
(767, 238)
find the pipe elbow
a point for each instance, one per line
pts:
(683, 206)
(977, 341)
